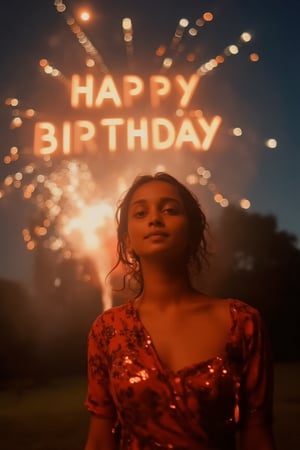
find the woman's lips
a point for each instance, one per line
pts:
(156, 234)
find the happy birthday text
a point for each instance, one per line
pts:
(115, 125)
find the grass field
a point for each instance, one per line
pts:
(53, 417)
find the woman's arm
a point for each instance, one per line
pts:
(256, 394)
(100, 434)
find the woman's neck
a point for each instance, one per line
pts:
(165, 284)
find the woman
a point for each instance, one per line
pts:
(172, 368)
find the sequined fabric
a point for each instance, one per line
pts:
(196, 408)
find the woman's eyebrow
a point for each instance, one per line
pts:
(138, 202)
(169, 199)
(161, 200)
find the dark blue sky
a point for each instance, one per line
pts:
(262, 98)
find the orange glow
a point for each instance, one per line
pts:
(192, 179)
(14, 102)
(27, 194)
(29, 169)
(31, 245)
(85, 15)
(220, 59)
(29, 113)
(254, 57)
(218, 198)
(161, 50)
(26, 235)
(90, 62)
(40, 231)
(17, 184)
(224, 203)
(18, 176)
(17, 122)
(179, 112)
(88, 223)
(7, 159)
(191, 57)
(13, 150)
(208, 16)
(245, 203)
(43, 62)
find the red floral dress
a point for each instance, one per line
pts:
(198, 407)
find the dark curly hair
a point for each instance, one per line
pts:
(197, 250)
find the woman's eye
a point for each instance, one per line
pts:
(170, 210)
(139, 214)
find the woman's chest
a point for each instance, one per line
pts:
(186, 339)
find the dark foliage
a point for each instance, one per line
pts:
(256, 262)
(17, 332)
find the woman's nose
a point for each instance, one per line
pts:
(155, 218)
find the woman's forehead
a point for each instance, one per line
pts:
(154, 190)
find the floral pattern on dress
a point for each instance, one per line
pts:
(196, 408)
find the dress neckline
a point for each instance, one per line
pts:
(189, 367)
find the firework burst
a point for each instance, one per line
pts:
(75, 195)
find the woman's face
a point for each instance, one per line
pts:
(157, 222)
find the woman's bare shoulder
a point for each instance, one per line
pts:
(229, 302)
(229, 309)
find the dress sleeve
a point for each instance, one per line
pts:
(257, 380)
(98, 399)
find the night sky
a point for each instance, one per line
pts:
(261, 98)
